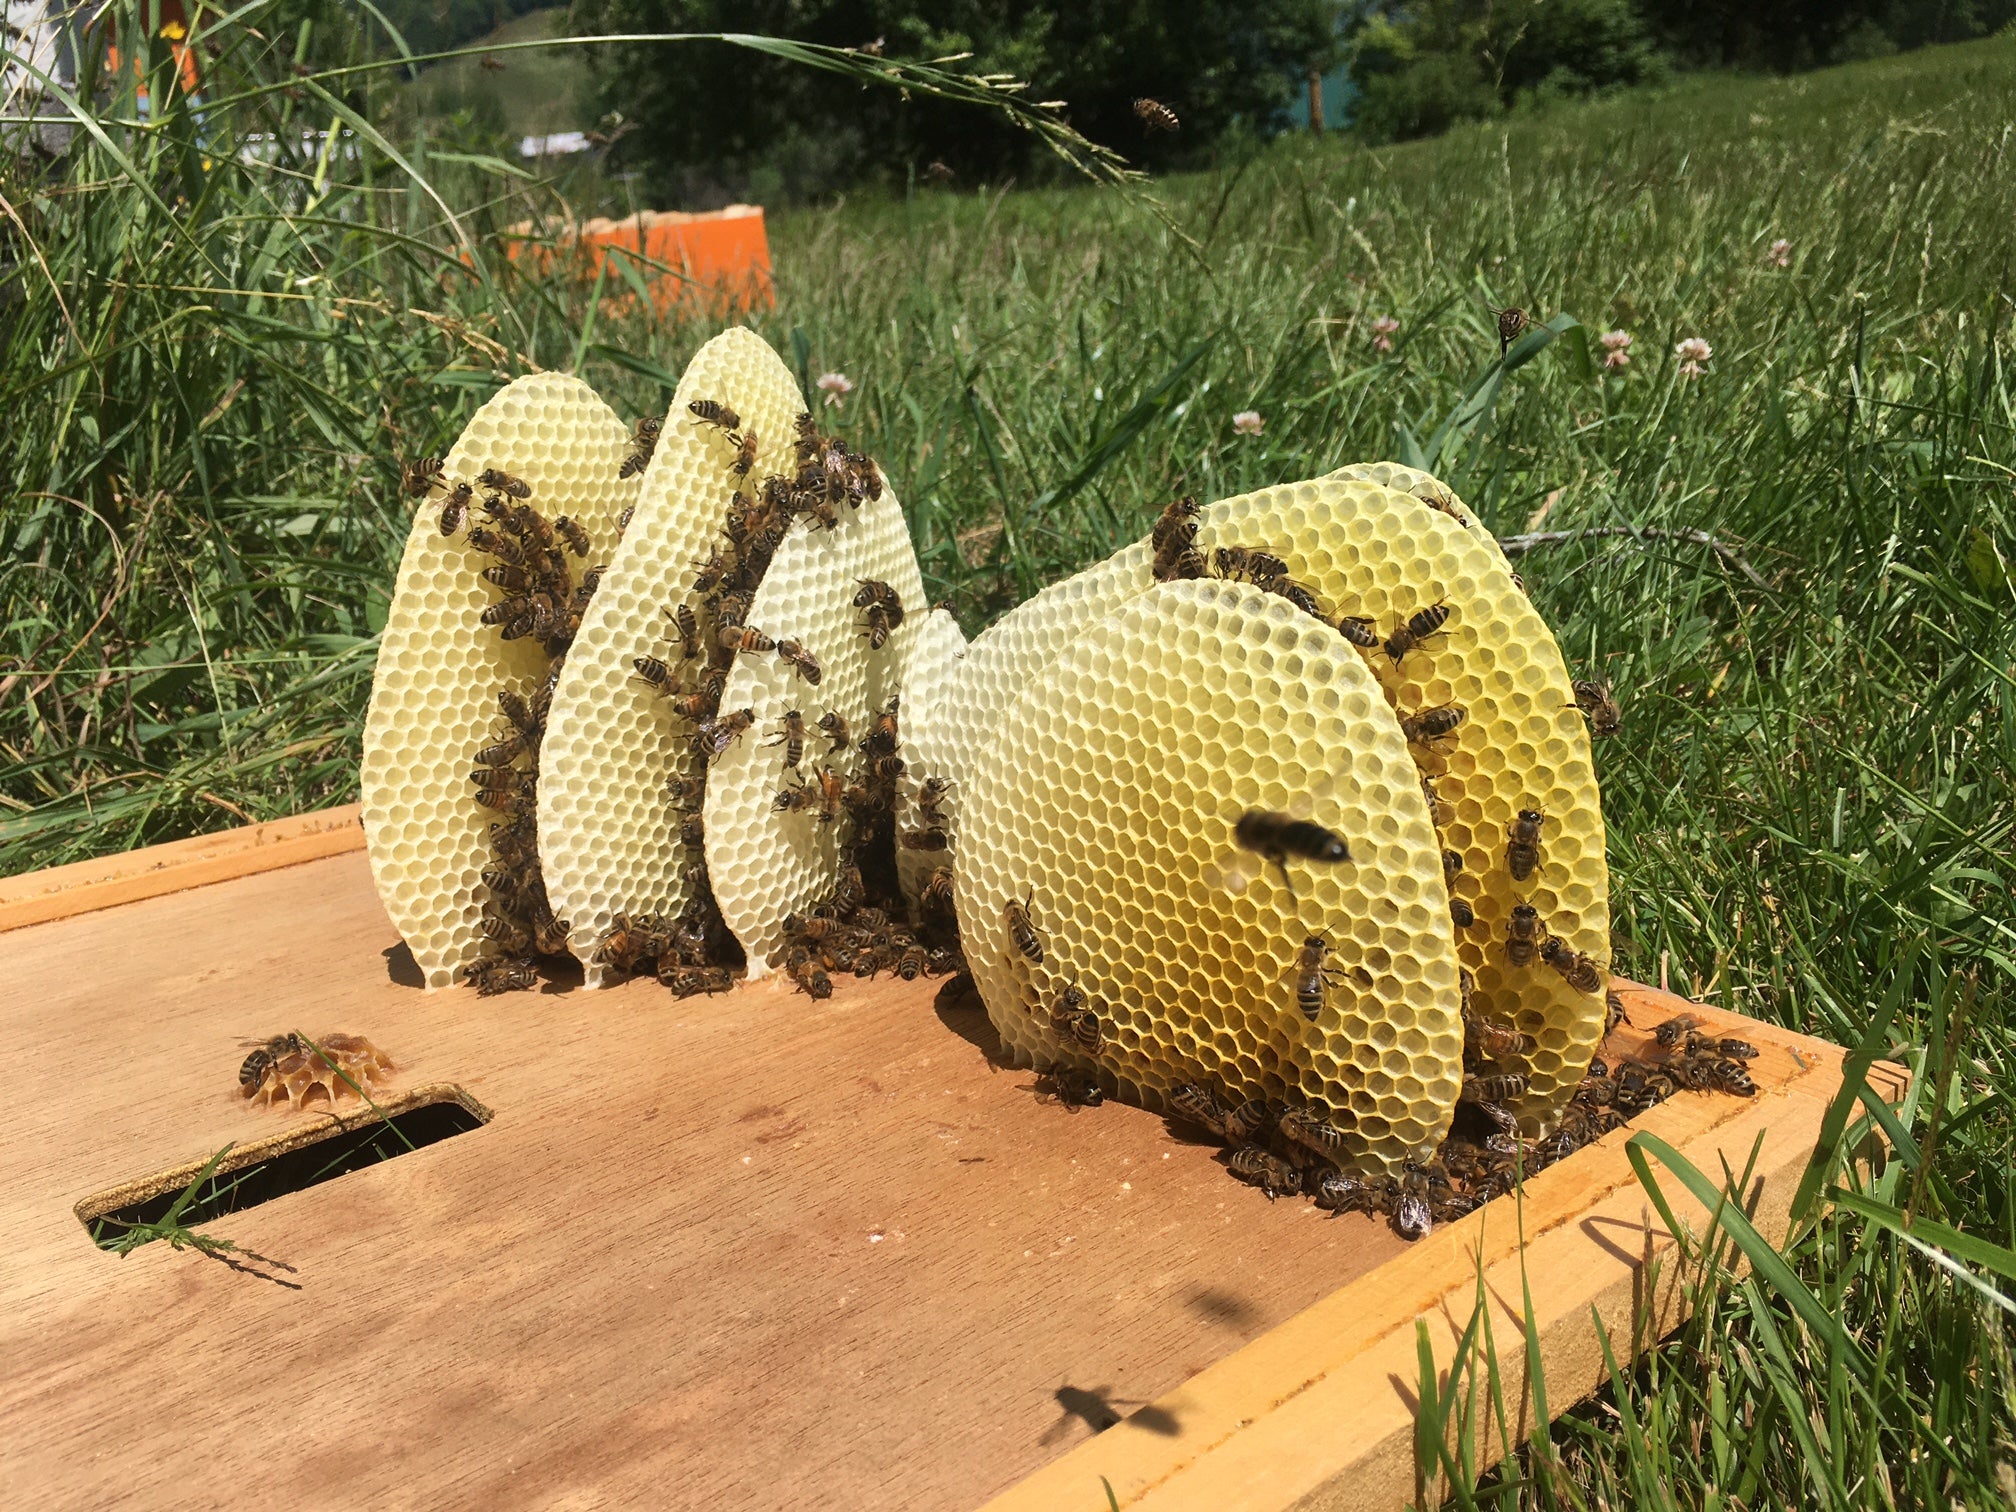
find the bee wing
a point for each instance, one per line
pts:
(1235, 871)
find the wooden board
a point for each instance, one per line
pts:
(746, 1250)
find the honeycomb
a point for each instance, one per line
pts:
(607, 834)
(330, 1069)
(434, 693)
(1108, 800)
(932, 666)
(1411, 480)
(763, 863)
(1367, 549)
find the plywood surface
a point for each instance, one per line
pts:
(740, 1251)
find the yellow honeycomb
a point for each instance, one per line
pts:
(764, 864)
(931, 667)
(1411, 480)
(607, 834)
(434, 694)
(1370, 550)
(1107, 798)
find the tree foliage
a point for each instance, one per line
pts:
(726, 125)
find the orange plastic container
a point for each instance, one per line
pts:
(716, 262)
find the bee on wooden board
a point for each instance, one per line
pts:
(714, 412)
(1272, 836)
(1411, 1217)
(1021, 932)
(1195, 1103)
(1300, 1126)
(1675, 1030)
(504, 483)
(691, 981)
(643, 442)
(1522, 843)
(253, 1071)
(1266, 1170)
(1595, 699)
(1156, 116)
(494, 974)
(1418, 627)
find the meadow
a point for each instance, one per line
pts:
(213, 360)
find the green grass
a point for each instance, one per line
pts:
(1810, 809)
(534, 93)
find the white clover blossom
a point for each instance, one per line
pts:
(1382, 333)
(1248, 423)
(836, 386)
(1616, 348)
(1693, 354)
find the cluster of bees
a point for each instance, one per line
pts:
(542, 600)
(854, 929)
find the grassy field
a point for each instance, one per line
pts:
(210, 369)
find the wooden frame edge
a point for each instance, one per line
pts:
(107, 881)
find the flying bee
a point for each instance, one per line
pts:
(929, 798)
(1422, 624)
(1306, 1129)
(1523, 933)
(835, 726)
(745, 454)
(1485, 1041)
(743, 638)
(1595, 700)
(875, 625)
(1310, 980)
(570, 531)
(1196, 1104)
(1510, 323)
(1577, 969)
(719, 733)
(1156, 116)
(643, 442)
(801, 660)
(1431, 725)
(1270, 835)
(1245, 562)
(1675, 1030)
(714, 412)
(1357, 629)
(420, 475)
(505, 483)
(455, 508)
(1025, 935)
(926, 840)
(654, 672)
(1269, 1172)
(791, 736)
(692, 981)
(1522, 843)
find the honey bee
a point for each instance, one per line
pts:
(882, 731)
(1452, 867)
(796, 800)
(1177, 523)
(1429, 797)
(505, 576)
(693, 830)
(503, 547)
(712, 571)
(743, 638)
(1577, 969)
(835, 726)
(1273, 836)
(1156, 116)
(571, 532)
(1735, 1049)
(1075, 1024)
(803, 661)
(1523, 933)
(497, 779)
(1304, 1128)
(1024, 934)
(455, 508)
(850, 892)
(1245, 562)
(719, 733)
(1269, 1172)
(504, 483)
(713, 412)
(745, 454)
(687, 626)
(514, 937)
(623, 520)
(1431, 725)
(875, 626)
(1310, 981)
(421, 475)
(926, 840)
(1595, 700)
(704, 702)
(873, 591)
(832, 789)
(1522, 843)
(813, 979)
(1613, 1012)
(503, 752)
(1411, 1216)
(1510, 323)
(643, 442)
(1357, 629)
(1296, 594)
(791, 736)
(930, 797)
(1174, 565)
(1461, 914)
(1419, 627)
(1337, 1193)
(654, 672)
(252, 1072)
(685, 792)
(1196, 1104)
(1499, 1088)
(1251, 1119)
(1675, 1030)
(495, 974)
(936, 893)
(691, 981)
(1486, 1041)
(1076, 1088)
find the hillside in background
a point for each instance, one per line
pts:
(532, 93)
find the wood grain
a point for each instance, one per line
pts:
(736, 1251)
